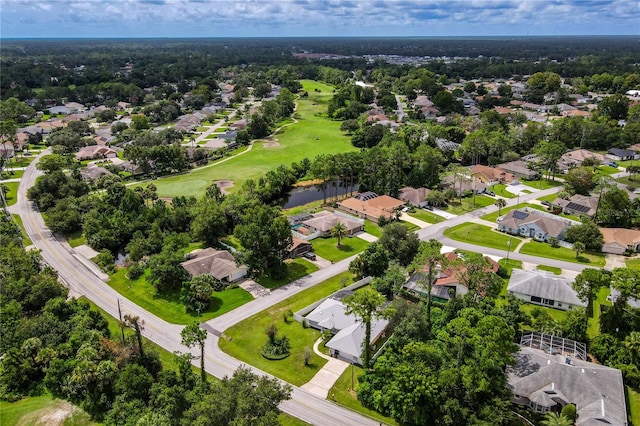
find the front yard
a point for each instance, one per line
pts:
(545, 250)
(244, 340)
(481, 235)
(327, 248)
(426, 216)
(468, 204)
(296, 268)
(168, 306)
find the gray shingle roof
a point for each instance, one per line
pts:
(543, 285)
(597, 391)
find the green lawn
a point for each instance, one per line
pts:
(328, 247)
(550, 198)
(26, 241)
(499, 189)
(12, 195)
(314, 134)
(469, 204)
(311, 207)
(557, 314)
(633, 263)
(542, 183)
(606, 170)
(628, 182)
(233, 242)
(32, 410)
(633, 405)
(76, 239)
(244, 340)
(296, 269)
(536, 248)
(427, 216)
(20, 162)
(553, 269)
(593, 328)
(12, 174)
(285, 419)
(342, 393)
(372, 228)
(482, 235)
(169, 307)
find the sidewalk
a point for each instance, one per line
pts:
(419, 223)
(326, 377)
(367, 237)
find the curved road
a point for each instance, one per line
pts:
(82, 279)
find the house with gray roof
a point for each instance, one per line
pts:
(519, 168)
(414, 196)
(534, 224)
(546, 382)
(220, 264)
(622, 154)
(347, 343)
(578, 205)
(543, 288)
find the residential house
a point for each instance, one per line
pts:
(492, 175)
(370, 205)
(238, 125)
(619, 240)
(622, 154)
(575, 158)
(546, 382)
(299, 247)
(62, 110)
(414, 196)
(447, 280)
(325, 221)
(93, 173)
(519, 168)
(543, 288)
(121, 106)
(578, 205)
(463, 186)
(95, 151)
(540, 226)
(576, 113)
(348, 330)
(220, 264)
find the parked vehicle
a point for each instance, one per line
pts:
(486, 191)
(309, 255)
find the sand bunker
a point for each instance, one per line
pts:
(223, 185)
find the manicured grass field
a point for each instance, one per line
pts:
(633, 263)
(328, 247)
(593, 328)
(311, 207)
(474, 233)
(342, 393)
(607, 170)
(628, 182)
(32, 410)
(312, 135)
(285, 419)
(20, 162)
(13, 174)
(552, 269)
(550, 198)
(12, 195)
(500, 189)
(76, 239)
(556, 314)
(244, 340)
(468, 204)
(427, 216)
(536, 248)
(169, 307)
(372, 228)
(296, 269)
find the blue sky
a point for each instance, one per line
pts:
(281, 18)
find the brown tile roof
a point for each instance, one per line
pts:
(622, 236)
(382, 205)
(414, 196)
(450, 275)
(493, 173)
(324, 221)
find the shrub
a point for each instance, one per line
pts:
(135, 271)
(569, 411)
(307, 356)
(105, 261)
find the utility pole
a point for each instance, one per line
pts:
(508, 247)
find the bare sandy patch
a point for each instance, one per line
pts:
(270, 144)
(223, 185)
(54, 416)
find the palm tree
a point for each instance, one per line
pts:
(555, 419)
(579, 247)
(500, 203)
(339, 231)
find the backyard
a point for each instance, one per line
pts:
(312, 135)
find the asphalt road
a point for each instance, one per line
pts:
(81, 280)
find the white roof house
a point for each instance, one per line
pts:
(330, 315)
(543, 288)
(347, 343)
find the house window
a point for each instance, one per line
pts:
(536, 299)
(549, 302)
(559, 305)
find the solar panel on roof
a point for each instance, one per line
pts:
(519, 214)
(577, 207)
